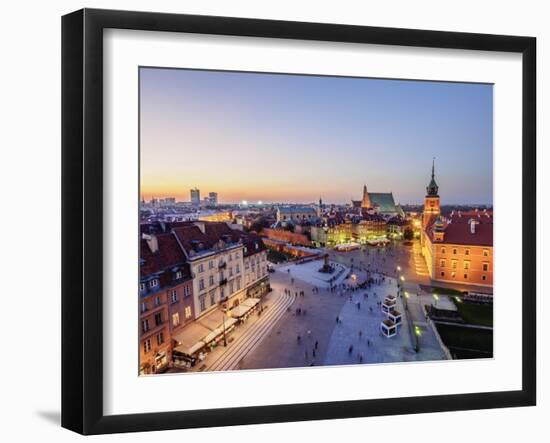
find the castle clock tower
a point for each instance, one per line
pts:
(431, 201)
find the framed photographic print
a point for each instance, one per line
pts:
(269, 221)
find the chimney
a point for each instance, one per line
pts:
(152, 242)
(200, 225)
(473, 224)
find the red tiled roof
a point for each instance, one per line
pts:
(168, 255)
(457, 229)
(190, 236)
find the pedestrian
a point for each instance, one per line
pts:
(316, 344)
(358, 306)
(360, 334)
(350, 349)
(360, 357)
(313, 353)
(337, 319)
(298, 338)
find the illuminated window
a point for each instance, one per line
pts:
(453, 274)
(175, 319)
(466, 265)
(188, 312)
(454, 264)
(442, 263)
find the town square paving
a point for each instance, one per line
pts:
(324, 341)
(299, 326)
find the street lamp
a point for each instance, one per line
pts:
(224, 336)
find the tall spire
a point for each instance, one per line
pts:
(365, 202)
(432, 189)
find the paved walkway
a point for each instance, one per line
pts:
(281, 347)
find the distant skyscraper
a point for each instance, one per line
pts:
(213, 198)
(195, 196)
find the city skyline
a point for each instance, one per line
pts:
(290, 138)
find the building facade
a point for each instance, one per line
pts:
(215, 256)
(458, 249)
(165, 299)
(296, 213)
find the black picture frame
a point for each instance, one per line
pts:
(82, 218)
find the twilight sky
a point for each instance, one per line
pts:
(293, 138)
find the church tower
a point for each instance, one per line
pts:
(431, 201)
(365, 202)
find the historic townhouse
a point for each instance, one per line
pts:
(165, 299)
(215, 255)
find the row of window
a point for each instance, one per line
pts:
(466, 265)
(174, 298)
(147, 346)
(176, 316)
(155, 283)
(453, 275)
(145, 323)
(234, 286)
(250, 261)
(200, 267)
(454, 251)
(211, 280)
